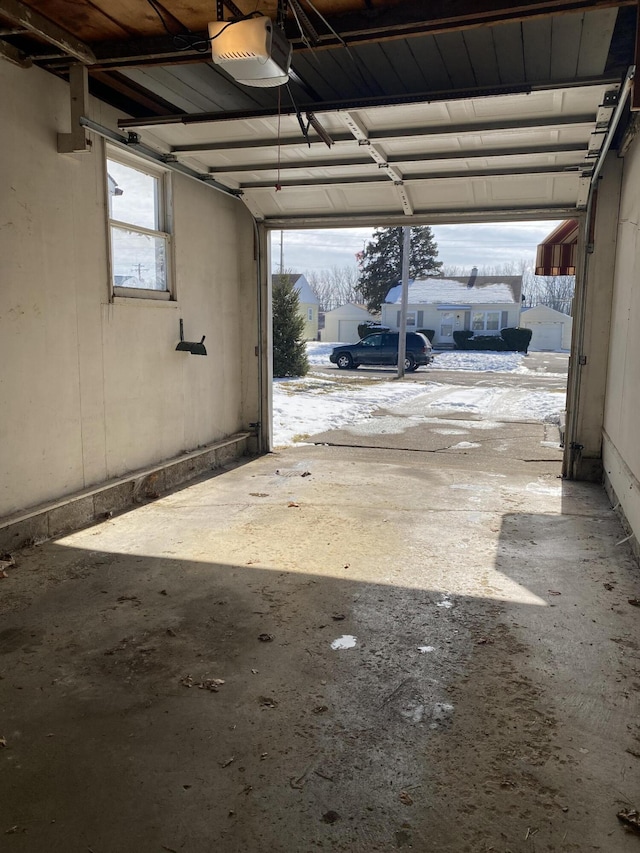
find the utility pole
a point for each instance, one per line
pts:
(402, 331)
(281, 252)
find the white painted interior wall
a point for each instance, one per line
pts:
(93, 389)
(621, 448)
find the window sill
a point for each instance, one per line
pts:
(159, 299)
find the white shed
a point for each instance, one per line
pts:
(341, 324)
(551, 329)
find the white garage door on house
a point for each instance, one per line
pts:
(546, 336)
(348, 331)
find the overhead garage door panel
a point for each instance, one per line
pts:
(477, 155)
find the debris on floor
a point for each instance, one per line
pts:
(211, 684)
(630, 818)
(330, 817)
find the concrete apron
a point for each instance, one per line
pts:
(424, 650)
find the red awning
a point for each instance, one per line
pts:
(557, 253)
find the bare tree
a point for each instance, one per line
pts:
(334, 286)
(554, 291)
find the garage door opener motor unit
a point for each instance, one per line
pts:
(253, 51)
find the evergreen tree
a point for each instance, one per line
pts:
(381, 261)
(289, 348)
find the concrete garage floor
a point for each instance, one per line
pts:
(489, 701)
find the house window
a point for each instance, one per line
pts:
(138, 229)
(485, 321)
(411, 319)
(310, 314)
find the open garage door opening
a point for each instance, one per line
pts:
(482, 282)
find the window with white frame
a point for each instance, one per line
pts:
(139, 219)
(485, 321)
(310, 314)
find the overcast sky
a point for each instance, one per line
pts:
(488, 244)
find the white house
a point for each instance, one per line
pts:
(342, 323)
(480, 303)
(308, 302)
(551, 329)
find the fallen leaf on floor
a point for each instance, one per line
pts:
(553, 592)
(292, 503)
(3, 741)
(265, 638)
(330, 817)
(163, 592)
(635, 602)
(630, 818)
(338, 617)
(406, 798)
(609, 586)
(306, 474)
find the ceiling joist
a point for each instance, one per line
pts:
(36, 24)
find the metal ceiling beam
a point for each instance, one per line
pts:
(408, 179)
(382, 160)
(557, 123)
(43, 28)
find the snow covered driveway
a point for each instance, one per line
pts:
(331, 400)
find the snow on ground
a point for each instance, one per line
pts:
(319, 402)
(303, 407)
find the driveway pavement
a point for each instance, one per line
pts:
(340, 647)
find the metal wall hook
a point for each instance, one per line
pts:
(194, 347)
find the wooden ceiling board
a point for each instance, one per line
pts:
(510, 52)
(482, 54)
(431, 63)
(594, 45)
(454, 54)
(307, 65)
(137, 17)
(374, 57)
(536, 37)
(212, 85)
(566, 31)
(349, 74)
(163, 83)
(81, 18)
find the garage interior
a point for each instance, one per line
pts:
(141, 710)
